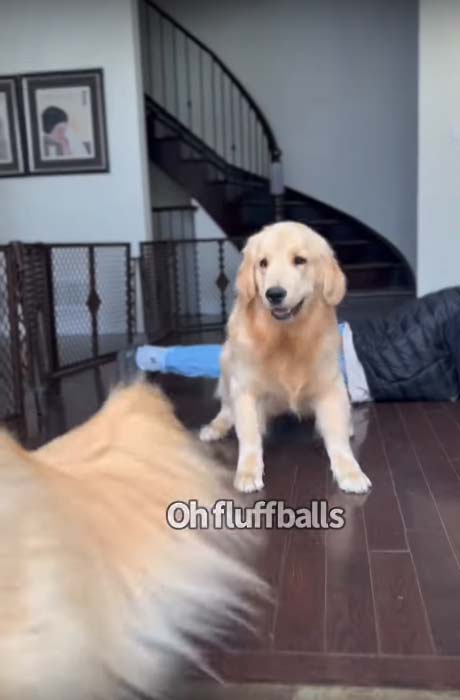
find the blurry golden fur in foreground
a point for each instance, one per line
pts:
(96, 590)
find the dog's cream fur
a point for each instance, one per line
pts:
(270, 366)
(95, 588)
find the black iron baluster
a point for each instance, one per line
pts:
(189, 85)
(214, 107)
(92, 303)
(248, 131)
(224, 118)
(183, 280)
(176, 289)
(266, 157)
(202, 108)
(259, 152)
(241, 132)
(175, 76)
(13, 296)
(130, 294)
(263, 154)
(163, 66)
(162, 259)
(232, 124)
(162, 262)
(196, 277)
(222, 277)
(254, 143)
(55, 345)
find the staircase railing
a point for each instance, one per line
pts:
(190, 82)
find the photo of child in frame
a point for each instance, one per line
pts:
(65, 117)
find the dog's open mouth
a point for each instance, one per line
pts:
(283, 314)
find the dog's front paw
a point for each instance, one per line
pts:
(348, 473)
(354, 481)
(249, 474)
(247, 482)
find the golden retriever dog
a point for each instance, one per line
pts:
(98, 594)
(282, 351)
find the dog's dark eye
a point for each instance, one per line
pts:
(263, 262)
(299, 260)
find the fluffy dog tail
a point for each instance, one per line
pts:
(96, 589)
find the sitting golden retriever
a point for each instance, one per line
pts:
(282, 351)
(98, 593)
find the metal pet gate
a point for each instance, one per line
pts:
(65, 307)
(90, 297)
(11, 371)
(62, 307)
(188, 285)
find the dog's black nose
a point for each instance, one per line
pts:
(275, 295)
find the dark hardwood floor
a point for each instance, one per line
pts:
(374, 604)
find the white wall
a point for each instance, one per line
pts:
(54, 35)
(439, 145)
(338, 82)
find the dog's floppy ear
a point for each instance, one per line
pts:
(245, 279)
(334, 281)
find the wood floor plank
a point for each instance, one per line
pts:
(436, 466)
(384, 525)
(417, 505)
(349, 607)
(401, 617)
(456, 465)
(279, 485)
(301, 604)
(346, 669)
(350, 620)
(438, 470)
(439, 578)
(453, 407)
(300, 615)
(446, 428)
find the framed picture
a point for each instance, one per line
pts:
(11, 155)
(65, 122)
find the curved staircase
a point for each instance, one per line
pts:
(207, 133)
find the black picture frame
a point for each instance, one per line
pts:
(65, 122)
(12, 161)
